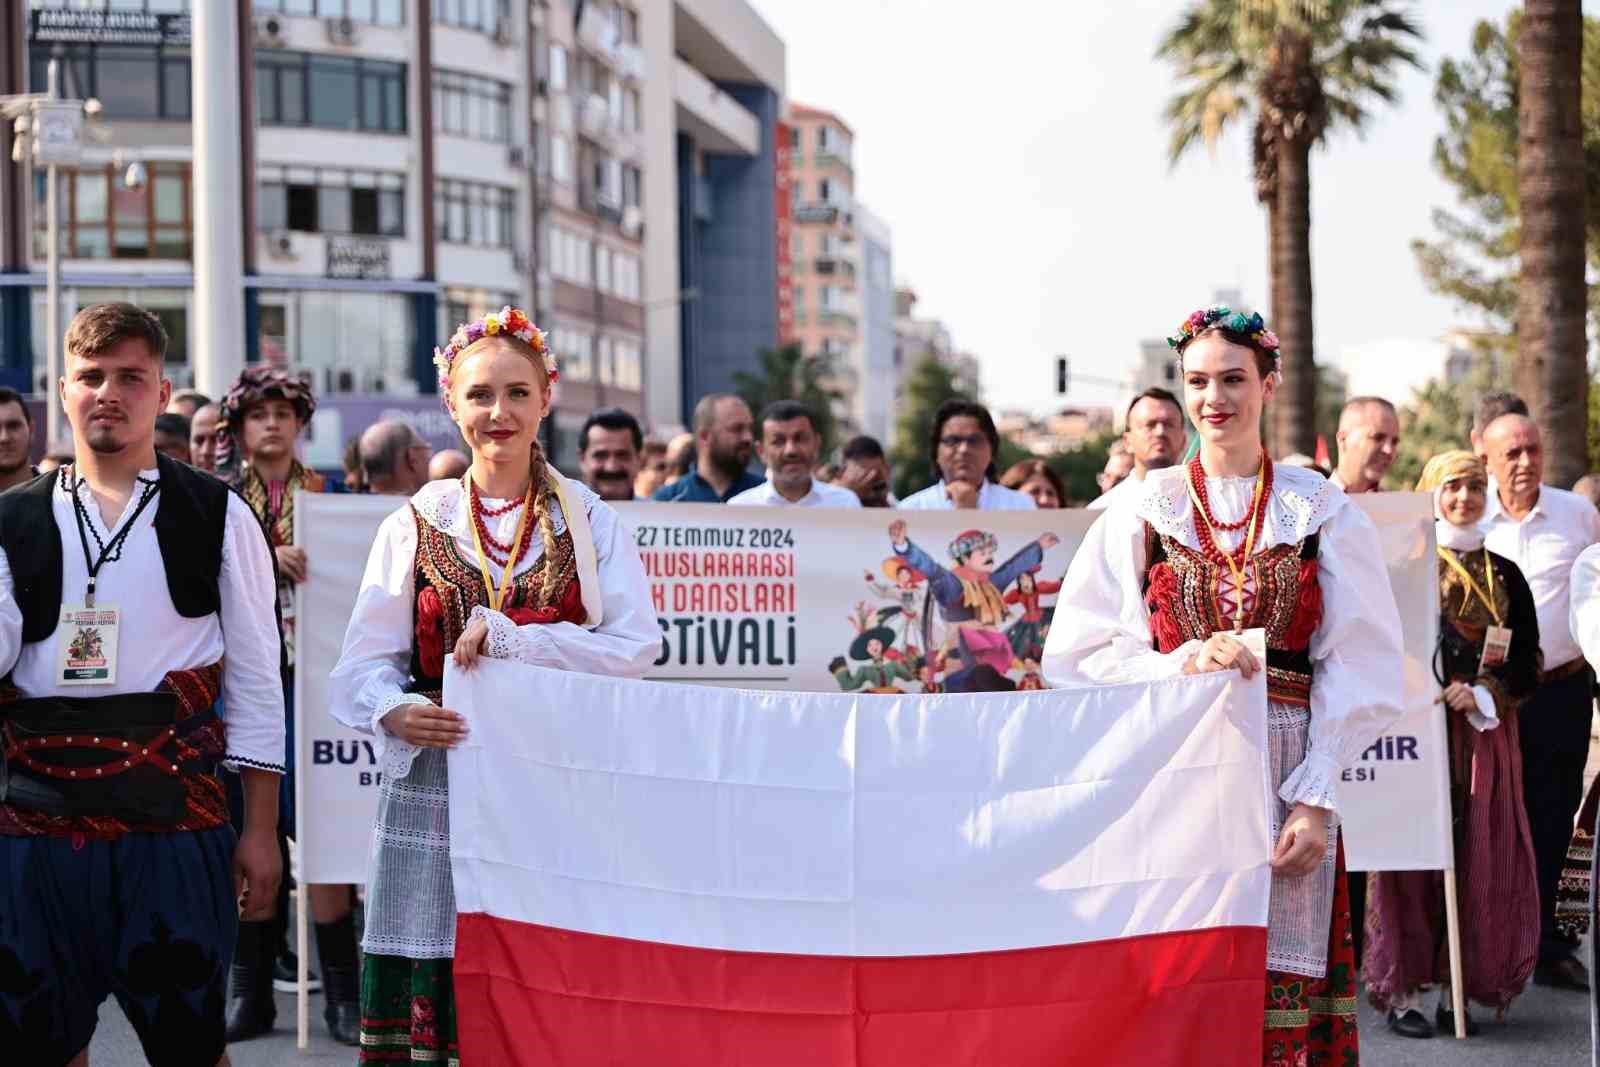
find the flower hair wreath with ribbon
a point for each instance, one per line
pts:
(508, 321)
(1252, 326)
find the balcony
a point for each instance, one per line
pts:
(594, 116)
(712, 117)
(835, 267)
(833, 157)
(630, 62)
(598, 35)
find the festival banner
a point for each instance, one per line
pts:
(871, 601)
(706, 877)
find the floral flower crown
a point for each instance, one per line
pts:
(1251, 326)
(508, 320)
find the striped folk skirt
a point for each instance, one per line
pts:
(408, 1011)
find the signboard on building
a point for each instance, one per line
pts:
(107, 27)
(358, 257)
(785, 223)
(814, 213)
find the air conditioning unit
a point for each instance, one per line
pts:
(632, 221)
(502, 33)
(280, 244)
(341, 31)
(518, 155)
(269, 32)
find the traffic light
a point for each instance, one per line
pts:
(1063, 375)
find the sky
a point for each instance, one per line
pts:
(1018, 151)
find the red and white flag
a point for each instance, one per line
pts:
(682, 876)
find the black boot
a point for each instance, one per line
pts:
(341, 979)
(251, 1011)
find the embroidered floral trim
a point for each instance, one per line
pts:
(1301, 501)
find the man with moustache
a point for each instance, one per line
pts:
(724, 435)
(1154, 436)
(610, 448)
(1368, 438)
(1543, 530)
(788, 448)
(134, 593)
(16, 438)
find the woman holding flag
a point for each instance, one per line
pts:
(512, 561)
(1167, 582)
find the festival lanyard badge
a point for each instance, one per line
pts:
(87, 653)
(1496, 638)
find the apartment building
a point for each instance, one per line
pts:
(409, 164)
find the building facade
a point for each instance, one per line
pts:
(409, 164)
(875, 271)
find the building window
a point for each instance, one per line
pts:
(487, 16)
(351, 342)
(570, 256)
(130, 81)
(632, 185)
(561, 159)
(625, 279)
(376, 12)
(626, 368)
(101, 219)
(470, 106)
(632, 106)
(558, 68)
(328, 200)
(471, 213)
(602, 268)
(459, 306)
(330, 92)
(574, 351)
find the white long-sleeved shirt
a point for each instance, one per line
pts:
(372, 674)
(152, 637)
(1544, 545)
(821, 495)
(1129, 486)
(1101, 632)
(1584, 612)
(991, 497)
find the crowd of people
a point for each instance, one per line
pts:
(183, 615)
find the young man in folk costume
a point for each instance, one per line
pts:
(1165, 581)
(119, 872)
(263, 416)
(971, 600)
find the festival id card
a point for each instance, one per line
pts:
(88, 645)
(1496, 647)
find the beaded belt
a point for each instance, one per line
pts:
(1288, 687)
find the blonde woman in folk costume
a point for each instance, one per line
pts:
(1228, 542)
(511, 561)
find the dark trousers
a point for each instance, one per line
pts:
(1358, 912)
(1554, 724)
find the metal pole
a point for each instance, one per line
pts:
(52, 318)
(217, 341)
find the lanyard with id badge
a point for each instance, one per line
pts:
(87, 654)
(1496, 638)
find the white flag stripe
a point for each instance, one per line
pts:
(883, 826)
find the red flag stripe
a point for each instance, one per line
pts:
(545, 995)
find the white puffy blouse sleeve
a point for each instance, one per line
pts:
(1101, 631)
(1358, 668)
(628, 639)
(1584, 613)
(370, 678)
(252, 662)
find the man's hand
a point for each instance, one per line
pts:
(257, 868)
(426, 726)
(292, 562)
(963, 495)
(1303, 841)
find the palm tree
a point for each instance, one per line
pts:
(1297, 69)
(787, 373)
(1552, 297)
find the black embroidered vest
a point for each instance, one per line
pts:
(191, 516)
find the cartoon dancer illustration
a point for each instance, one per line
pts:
(879, 673)
(971, 602)
(906, 594)
(1027, 633)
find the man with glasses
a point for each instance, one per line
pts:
(963, 443)
(1154, 438)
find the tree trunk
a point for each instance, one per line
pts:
(1552, 346)
(1291, 299)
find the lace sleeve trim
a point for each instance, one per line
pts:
(233, 762)
(397, 754)
(506, 639)
(1314, 782)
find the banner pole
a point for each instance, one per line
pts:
(1452, 918)
(302, 922)
(303, 994)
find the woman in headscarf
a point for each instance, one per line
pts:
(1487, 661)
(511, 561)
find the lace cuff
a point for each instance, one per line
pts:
(1486, 718)
(1314, 782)
(507, 640)
(394, 753)
(235, 762)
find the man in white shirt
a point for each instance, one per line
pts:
(1543, 530)
(1368, 437)
(1154, 436)
(964, 441)
(788, 446)
(134, 592)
